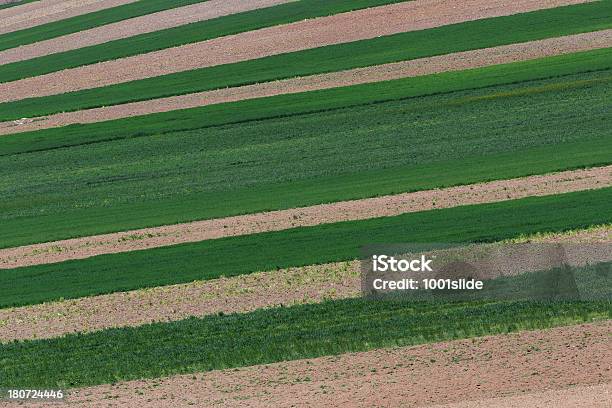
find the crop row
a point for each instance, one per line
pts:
(86, 21)
(299, 246)
(185, 34)
(307, 102)
(437, 41)
(294, 161)
(267, 336)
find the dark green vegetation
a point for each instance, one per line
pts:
(414, 144)
(186, 34)
(87, 21)
(300, 246)
(437, 41)
(267, 336)
(284, 106)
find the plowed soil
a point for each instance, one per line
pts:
(340, 28)
(47, 11)
(519, 365)
(593, 396)
(229, 295)
(495, 191)
(134, 26)
(418, 67)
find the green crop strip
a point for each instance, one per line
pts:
(87, 21)
(307, 102)
(447, 39)
(268, 336)
(186, 34)
(300, 246)
(414, 144)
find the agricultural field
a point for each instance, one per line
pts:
(189, 191)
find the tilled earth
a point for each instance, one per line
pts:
(521, 364)
(47, 11)
(308, 284)
(244, 293)
(422, 66)
(134, 26)
(495, 191)
(340, 28)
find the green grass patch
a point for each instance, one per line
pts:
(185, 34)
(362, 151)
(268, 336)
(87, 21)
(307, 102)
(300, 246)
(404, 46)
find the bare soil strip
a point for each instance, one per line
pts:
(450, 372)
(244, 293)
(423, 66)
(47, 11)
(593, 396)
(134, 26)
(340, 28)
(79, 248)
(168, 303)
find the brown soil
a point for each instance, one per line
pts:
(78, 248)
(46, 11)
(593, 396)
(134, 26)
(345, 27)
(236, 294)
(168, 303)
(423, 66)
(513, 365)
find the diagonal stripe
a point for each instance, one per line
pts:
(134, 26)
(47, 11)
(563, 365)
(301, 285)
(419, 67)
(341, 28)
(79, 248)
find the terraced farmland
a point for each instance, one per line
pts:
(186, 189)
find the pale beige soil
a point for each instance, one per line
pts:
(340, 28)
(593, 396)
(139, 25)
(236, 294)
(47, 11)
(593, 235)
(79, 248)
(418, 67)
(243, 293)
(517, 364)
